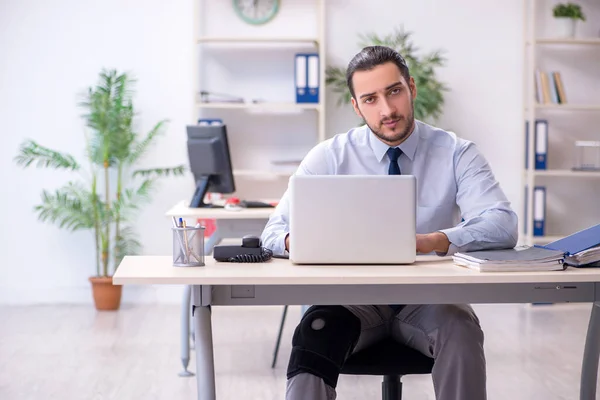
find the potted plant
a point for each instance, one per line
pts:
(110, 192)
(430, 100)
(566, 16)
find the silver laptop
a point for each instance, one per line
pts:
(352, 219)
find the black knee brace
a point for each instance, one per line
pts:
(322, 341)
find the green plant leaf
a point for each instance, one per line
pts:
(70, 207)
(568, 10)
(160, 172)
(336, 78)
(141, 147)
(109, 113)
(31, 152)
(132, 198)
(126, 244)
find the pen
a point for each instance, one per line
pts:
(185, 239)
(175, 225)
(194, 233)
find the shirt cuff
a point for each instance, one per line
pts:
(281, 244)
(458, 237)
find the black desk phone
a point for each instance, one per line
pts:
(249, 251)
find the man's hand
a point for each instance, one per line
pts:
(435, 241)
(287, 242)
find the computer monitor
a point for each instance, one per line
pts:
(210, 162)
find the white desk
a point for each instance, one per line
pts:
(229, 225)
(429, 281)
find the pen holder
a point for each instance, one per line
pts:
(188, 247)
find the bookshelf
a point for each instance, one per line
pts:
(542, 49)
(223, 46)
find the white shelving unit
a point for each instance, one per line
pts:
(269, 109)
(532, 45)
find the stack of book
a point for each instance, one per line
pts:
(587, 258)
(523, 258)
(581, 249)
(549, 88)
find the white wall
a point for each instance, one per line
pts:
(50, 51)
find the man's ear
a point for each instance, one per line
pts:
(355, 107)
(413, 88)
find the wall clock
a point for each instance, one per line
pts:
(256, 12)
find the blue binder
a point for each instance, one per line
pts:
(541, 143)
(579, 241)
(307, 77)
(525, 211)
(539, 211)
(210, 121)
(526, 143)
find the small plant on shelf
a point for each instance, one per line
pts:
(569, 10)
(111, 190)
(567, 15)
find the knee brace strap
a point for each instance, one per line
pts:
(322, 341)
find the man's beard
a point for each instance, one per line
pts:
(396, 136)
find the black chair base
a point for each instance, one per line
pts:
(391, 388)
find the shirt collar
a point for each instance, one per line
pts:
(408, 147)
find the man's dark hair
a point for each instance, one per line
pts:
(372, 56)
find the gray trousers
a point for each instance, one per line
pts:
(450, 334)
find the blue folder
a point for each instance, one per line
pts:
(541, 143)
(307, 77)
(579, 241)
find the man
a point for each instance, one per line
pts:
(451, 176)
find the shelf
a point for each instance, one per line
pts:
(239, 39)
(583, 107)
(566, 173)
(262, 174)
(591, 41)
(263, 106)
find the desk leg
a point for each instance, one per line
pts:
(185, 329)
(591, 355)
(205, 368)
(186, 304)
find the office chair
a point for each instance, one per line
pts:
(386, 358)
(391, 360)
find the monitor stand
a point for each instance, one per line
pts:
(198, 198)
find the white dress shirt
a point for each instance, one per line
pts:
(454, 183)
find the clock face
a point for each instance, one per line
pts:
(256, 11)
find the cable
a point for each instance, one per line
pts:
(264, 256)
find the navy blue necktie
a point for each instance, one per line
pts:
(393, 154)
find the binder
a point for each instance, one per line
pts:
(518, 259)
(525, 211)
(553, 88)
(526, 143)
(541, 143)
(578, 241)
(313, 78)
(301, 78)
(307, 78)
(210, 121)
(539, 211)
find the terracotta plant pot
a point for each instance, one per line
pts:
(107, 297)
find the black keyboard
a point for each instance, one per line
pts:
(254, 204)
